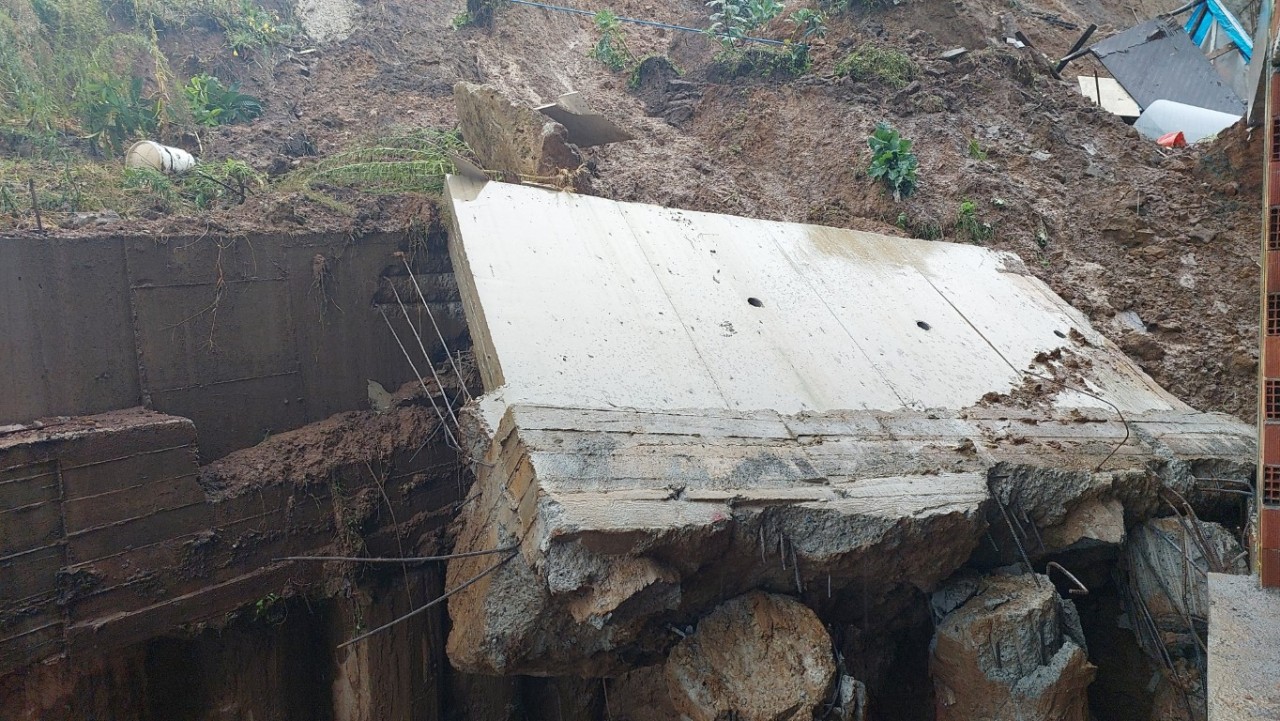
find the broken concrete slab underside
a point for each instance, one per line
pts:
(684, 407)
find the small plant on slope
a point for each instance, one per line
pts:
(967, 223)
(611, 49)
(808, 24)
(214, 104)
(732, 20)
(892, 161)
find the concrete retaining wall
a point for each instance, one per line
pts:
(245, 336)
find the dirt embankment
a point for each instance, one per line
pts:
(1157, 246)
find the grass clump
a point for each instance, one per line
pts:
(415, 162)
(892, 162)
(877, 64)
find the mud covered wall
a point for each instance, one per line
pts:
(246, 336)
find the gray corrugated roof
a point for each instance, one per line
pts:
(1157, 61)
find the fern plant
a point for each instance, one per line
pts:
(214, 104)
(892, 161)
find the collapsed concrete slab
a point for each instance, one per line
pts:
(683, 407)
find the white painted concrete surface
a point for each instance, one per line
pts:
(579, 301)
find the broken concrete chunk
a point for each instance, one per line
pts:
(511, 138)
(758, 657)
(953, 54)
(1007, 655)
(586, 128)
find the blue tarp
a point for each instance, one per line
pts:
(1211, 11)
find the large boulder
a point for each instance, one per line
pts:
(1014, 651)
(757, 657)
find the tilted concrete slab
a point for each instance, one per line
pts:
(683, 407)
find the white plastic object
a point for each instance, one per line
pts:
(153, 155)
(1196, 123)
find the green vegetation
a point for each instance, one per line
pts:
(414, 162)
(113, 111)
(249, 27)
(462, 20)
(876, 64)
(96, 68)
(975, 151)
(892, 162)
(732, 20)
(790, 60)
(611, 49)
(213, 104)
(64, 186)
(809, 24)
(969, 226)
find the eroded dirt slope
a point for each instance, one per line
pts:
(1157, 246)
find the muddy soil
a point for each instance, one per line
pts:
(1157, 246)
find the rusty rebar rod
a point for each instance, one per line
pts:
(410, 559)
(430, 604)
(1080, 590)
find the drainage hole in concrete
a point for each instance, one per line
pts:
(756, 302)
(922, 325)
(1060, 334)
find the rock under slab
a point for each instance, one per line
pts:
(757, 657)
(1011, 652)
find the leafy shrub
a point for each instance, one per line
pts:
(892, 161)
(214, 104)
(808, 24)
(611, 49)
(968, 225)
(732, 20)
(876, 64)
(114, 111)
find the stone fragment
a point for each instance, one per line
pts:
(512, 138)
(1009, 653)
(1099, 522)
(757, 657)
